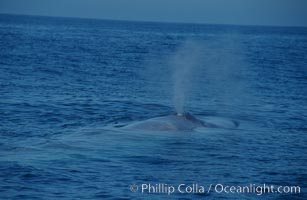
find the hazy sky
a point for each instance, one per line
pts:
(253, 12)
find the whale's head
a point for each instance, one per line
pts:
(188, 117)
(174, 122)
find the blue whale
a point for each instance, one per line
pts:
(175, 122)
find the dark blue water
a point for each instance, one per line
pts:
(67, 85)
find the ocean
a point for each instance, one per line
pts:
(69, 86)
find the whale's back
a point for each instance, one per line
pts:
(169, 123)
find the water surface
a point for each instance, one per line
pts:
(67, 85)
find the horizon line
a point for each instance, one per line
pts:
(153, 21)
